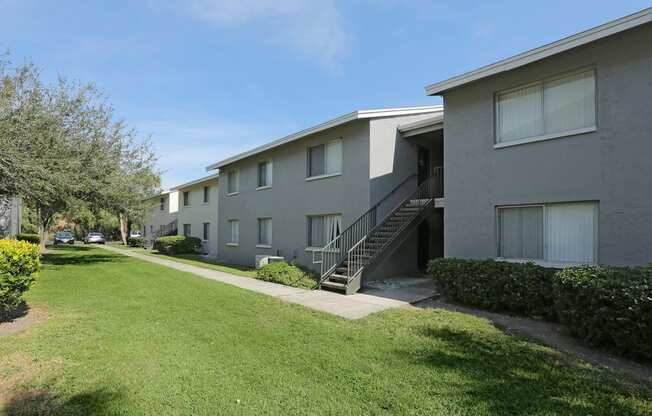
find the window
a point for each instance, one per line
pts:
(207, 231)
(546, 109)
(186, 199)
(207, 191)
(322, 229)
(235, 232)
(162, 204)
(264, 174)
(233, 185)
(151, 231)
(555, 233)
(264, 231)
(186, 230)
(325, 159)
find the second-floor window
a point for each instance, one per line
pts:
(325, 159)
(207, 191)
(186, 199)
(553, 107)
(233, 182)
(322, 229)
(265, 174)
(162, 204)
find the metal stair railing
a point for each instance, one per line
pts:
(333, 253)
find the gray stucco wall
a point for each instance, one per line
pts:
(10, 216)
(611, 165)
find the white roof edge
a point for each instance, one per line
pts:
(570, 42)
(356, 115)
(157, 195)
(195, 182)
(426, 122)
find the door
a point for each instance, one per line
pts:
(423, 164)
(423, 245)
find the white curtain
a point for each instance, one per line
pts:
(569, 103)
(571, 231)
(520, 114)
(334, 157)
(521, 233)
(332, 227)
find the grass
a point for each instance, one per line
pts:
(129, 337)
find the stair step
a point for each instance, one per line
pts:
(338, 278)
(337, 287)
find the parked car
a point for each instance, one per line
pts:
(64, 237)
(135, 234)
(94, 238)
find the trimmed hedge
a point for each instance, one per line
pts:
(608, 306)
(522, 288)
(136, 241)
(287, 274)
(30, 238)
(177, 244)
(19, 265)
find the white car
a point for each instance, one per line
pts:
(135, 234)
(94, 238)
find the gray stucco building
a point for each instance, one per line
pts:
(547, 154)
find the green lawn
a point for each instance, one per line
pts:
(129, 337)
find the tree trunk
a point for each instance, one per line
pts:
(43, 226)
(124, 228)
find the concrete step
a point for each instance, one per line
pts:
(338, 278)
(334, 286)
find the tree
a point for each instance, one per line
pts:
(63, 146)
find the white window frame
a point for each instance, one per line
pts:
(543, 137)
(231, 241)
(185, 202)
(544, 262)
(235, 172)
(262, 244)
(270, 175)
(326, 173)
(189, 230)
(161, 204)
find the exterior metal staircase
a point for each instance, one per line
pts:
(345, 258)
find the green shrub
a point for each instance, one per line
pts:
(522, 288)
(177, 244)
(136, 241)
(30, 238)
(607, 306)
(19, 266)
(287, 274)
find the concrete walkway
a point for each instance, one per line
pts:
(349, 307)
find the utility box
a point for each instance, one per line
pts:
(264, 260)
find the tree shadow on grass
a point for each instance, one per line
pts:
(42, 402)
(71, 258)
(511, 377)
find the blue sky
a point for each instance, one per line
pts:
(210, 78)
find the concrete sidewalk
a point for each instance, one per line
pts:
(349, 307)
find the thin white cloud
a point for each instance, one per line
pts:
(314, 28)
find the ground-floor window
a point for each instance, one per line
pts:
(234, 226)
(186, 230)
(555, 233)
(322, 229)
(207, 227)
(265, 231)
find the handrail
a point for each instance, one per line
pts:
(333, 253)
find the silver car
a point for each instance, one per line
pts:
(94, 238)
